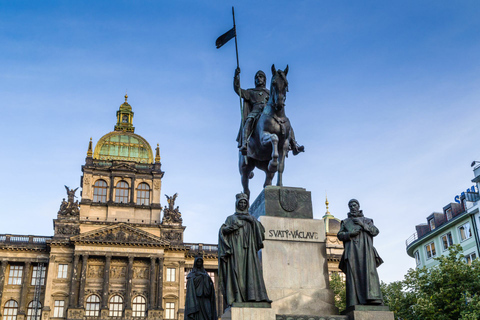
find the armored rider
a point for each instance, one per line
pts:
(254, 100)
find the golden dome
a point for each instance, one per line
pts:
(122, 145)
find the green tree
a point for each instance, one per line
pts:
(447, 291)
(337, 284)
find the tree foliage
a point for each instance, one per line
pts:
(337, 284)
(447, 291)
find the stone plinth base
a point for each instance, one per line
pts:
(285, 202)
(294, 260)
(236, 313)
(309, 317)
(369, 313)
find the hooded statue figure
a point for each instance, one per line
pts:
(239, 240)
(360, 260)
(200, 303)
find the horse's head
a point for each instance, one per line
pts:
(278, 88)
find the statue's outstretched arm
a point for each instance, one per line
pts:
(236, 84)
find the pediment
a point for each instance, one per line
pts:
(120, 234)
(118, 166)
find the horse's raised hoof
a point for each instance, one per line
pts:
(298, 149)
(250, 175)
(272, 166)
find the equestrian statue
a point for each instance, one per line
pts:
(265, 136)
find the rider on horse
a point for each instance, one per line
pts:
(254, 100)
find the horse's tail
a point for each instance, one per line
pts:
(250, 175)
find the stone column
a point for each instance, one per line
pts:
(72, 302)
(128, 292)
(132, 190)
(3, 267)
(160, 284)
(151, 296)
(106, 281)
(24, 290)
(181, 289)
(83, 278)
(110, 191)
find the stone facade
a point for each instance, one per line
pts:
(111, 255)
(333, 245)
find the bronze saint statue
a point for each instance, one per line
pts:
(239, 240)
(254, 101)
(360, 260)
(200, 303)
(266, 133)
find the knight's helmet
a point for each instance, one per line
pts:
(259, 72)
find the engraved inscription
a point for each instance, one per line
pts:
(292, 234)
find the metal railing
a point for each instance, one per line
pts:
(112, 219)
(200, 247)
(411, 239)
(21, 239)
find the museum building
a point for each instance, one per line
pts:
(113, 254)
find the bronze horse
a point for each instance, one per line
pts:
(270, 141)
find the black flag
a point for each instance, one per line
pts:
(224, 38)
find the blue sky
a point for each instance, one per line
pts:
(384, 96)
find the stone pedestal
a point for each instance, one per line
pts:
(246, 313)
(369, 313)
(294, 255)
(294, 264)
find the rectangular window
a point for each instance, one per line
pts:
(170, 274)
(431, 222)
(470, 257)
(62, 271)
(169, 310)
(430, 248)
(58, 309)
(38, 273)
(465, 231)
(417, 257)
(15, 275)
(449, 214)
(447, 240)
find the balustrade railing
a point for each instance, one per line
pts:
(197, 247)
(22, 239)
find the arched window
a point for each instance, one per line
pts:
(92, 309)
(10, 310)
(143, 194)
(100, 191)
(139, 306)
(34, 311)
(115, 306)
(121, 193)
